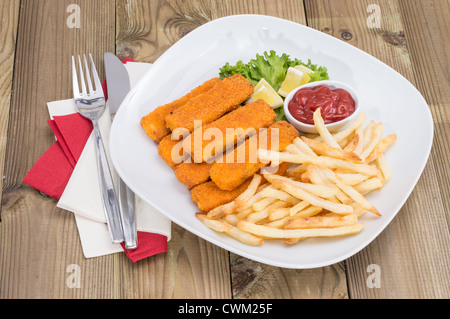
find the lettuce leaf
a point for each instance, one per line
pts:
(272, 68)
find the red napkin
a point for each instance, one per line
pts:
(51, 173)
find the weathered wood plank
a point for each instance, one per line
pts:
(398, 250)
(427, 32)
(38, 240)
(9, 16)
(255, 280)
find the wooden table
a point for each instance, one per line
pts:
(38, 241)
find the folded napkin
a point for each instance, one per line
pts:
(68, 172)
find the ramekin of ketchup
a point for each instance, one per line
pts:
(337, 101)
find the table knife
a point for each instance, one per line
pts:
(118, 84)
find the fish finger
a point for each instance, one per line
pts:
(207, 107)
(208, 196)
(154, 123)
(228, 130)
(231, 174)
(192, 174)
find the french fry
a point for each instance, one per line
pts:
(314, 175)
(322, 222)
(293, 149)
(384, 168)
(319, 190)
(231, 219)
(341, 196)
(298, 192)
(276, 193)
(299, 207)
(244, 237)
(255, 198)
(360, 145)
(243, 198)
(305, 149)
(353, 178)
(351, 146)
(292, 241)
(323, 131)
(326, 150)
(263, 203)
(305, 178)
(368, 186)
(381, 147)
(308, 212)
(339, 136)
(376, 134)
(225, 209)
(214, 224)
(269, 232)
(353, 194)
(279, 213)
(296, 171)
(319, 161)
(344, 142)
(260, 215)
(244, 213)
(359, 211)
(368, 133)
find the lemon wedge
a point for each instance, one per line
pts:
(303, 68)
(264, 91)
(294, 78)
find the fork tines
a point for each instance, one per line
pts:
(84, 92)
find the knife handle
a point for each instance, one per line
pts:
(109, 199)
(127, 210)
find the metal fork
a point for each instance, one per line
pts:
(92, 104)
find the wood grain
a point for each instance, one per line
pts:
(255, 280)
(39, 243)
(427, 31)
(147, 28)
(9, 16)
(39, 240)
(398, 249)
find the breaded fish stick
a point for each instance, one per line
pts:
(208, 196)
(236, 124)
(192, 174)
(208, 107)
(154, 123)
(230, 175)
(165, 148)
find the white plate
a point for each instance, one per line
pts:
(385, 96)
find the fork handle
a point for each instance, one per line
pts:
(110, 203)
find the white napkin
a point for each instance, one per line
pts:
(82, 194)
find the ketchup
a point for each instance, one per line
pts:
(335, 105)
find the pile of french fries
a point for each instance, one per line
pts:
(322, 195)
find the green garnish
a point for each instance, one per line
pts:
(272, 68)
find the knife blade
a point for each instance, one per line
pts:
(118, 85)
